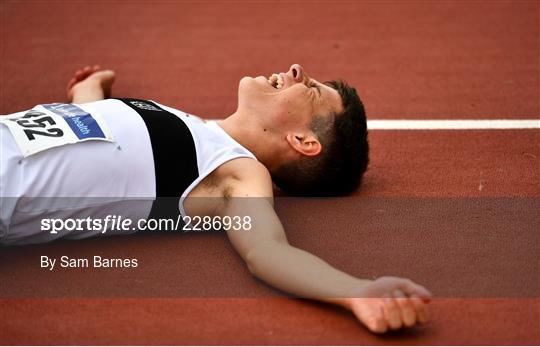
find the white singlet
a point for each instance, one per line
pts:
(98, 178)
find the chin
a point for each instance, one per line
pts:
(244, 88)
(254, 82)
(247, 92)
(245, 82)
(253, 88)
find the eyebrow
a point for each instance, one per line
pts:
(316, 86)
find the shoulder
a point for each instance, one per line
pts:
(241, 177)
(245, 177)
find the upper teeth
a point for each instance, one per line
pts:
(275, 81)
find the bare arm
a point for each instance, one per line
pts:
(387, 303)
(271, 258)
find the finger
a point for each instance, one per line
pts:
(370, 313)
(392, 313)
(378, 323)
(71, 83)
(422, 313)
(96, 68)
(410, 288)
(407, 309)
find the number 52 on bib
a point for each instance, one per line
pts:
(53, 125)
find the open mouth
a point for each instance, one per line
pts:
(275, 81)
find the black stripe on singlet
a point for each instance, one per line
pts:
(175, 158)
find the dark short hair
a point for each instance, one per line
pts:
(344, 157)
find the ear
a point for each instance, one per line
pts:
(306, 144)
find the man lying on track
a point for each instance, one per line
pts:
(308, 137)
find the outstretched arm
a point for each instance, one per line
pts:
(386, 303)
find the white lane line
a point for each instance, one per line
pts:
(452, 124)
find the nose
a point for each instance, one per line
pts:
(297, 73)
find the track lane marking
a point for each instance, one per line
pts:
(447, 124)
(452, 124)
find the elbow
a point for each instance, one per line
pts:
(251, 259)
(259, 258)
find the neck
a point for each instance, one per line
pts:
(252, 135)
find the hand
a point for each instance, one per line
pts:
(391, 303)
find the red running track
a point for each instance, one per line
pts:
(453, 209)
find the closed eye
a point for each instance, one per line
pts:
(312, 84)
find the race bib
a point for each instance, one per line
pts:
(53, 125)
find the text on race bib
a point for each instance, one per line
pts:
(53, 125)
